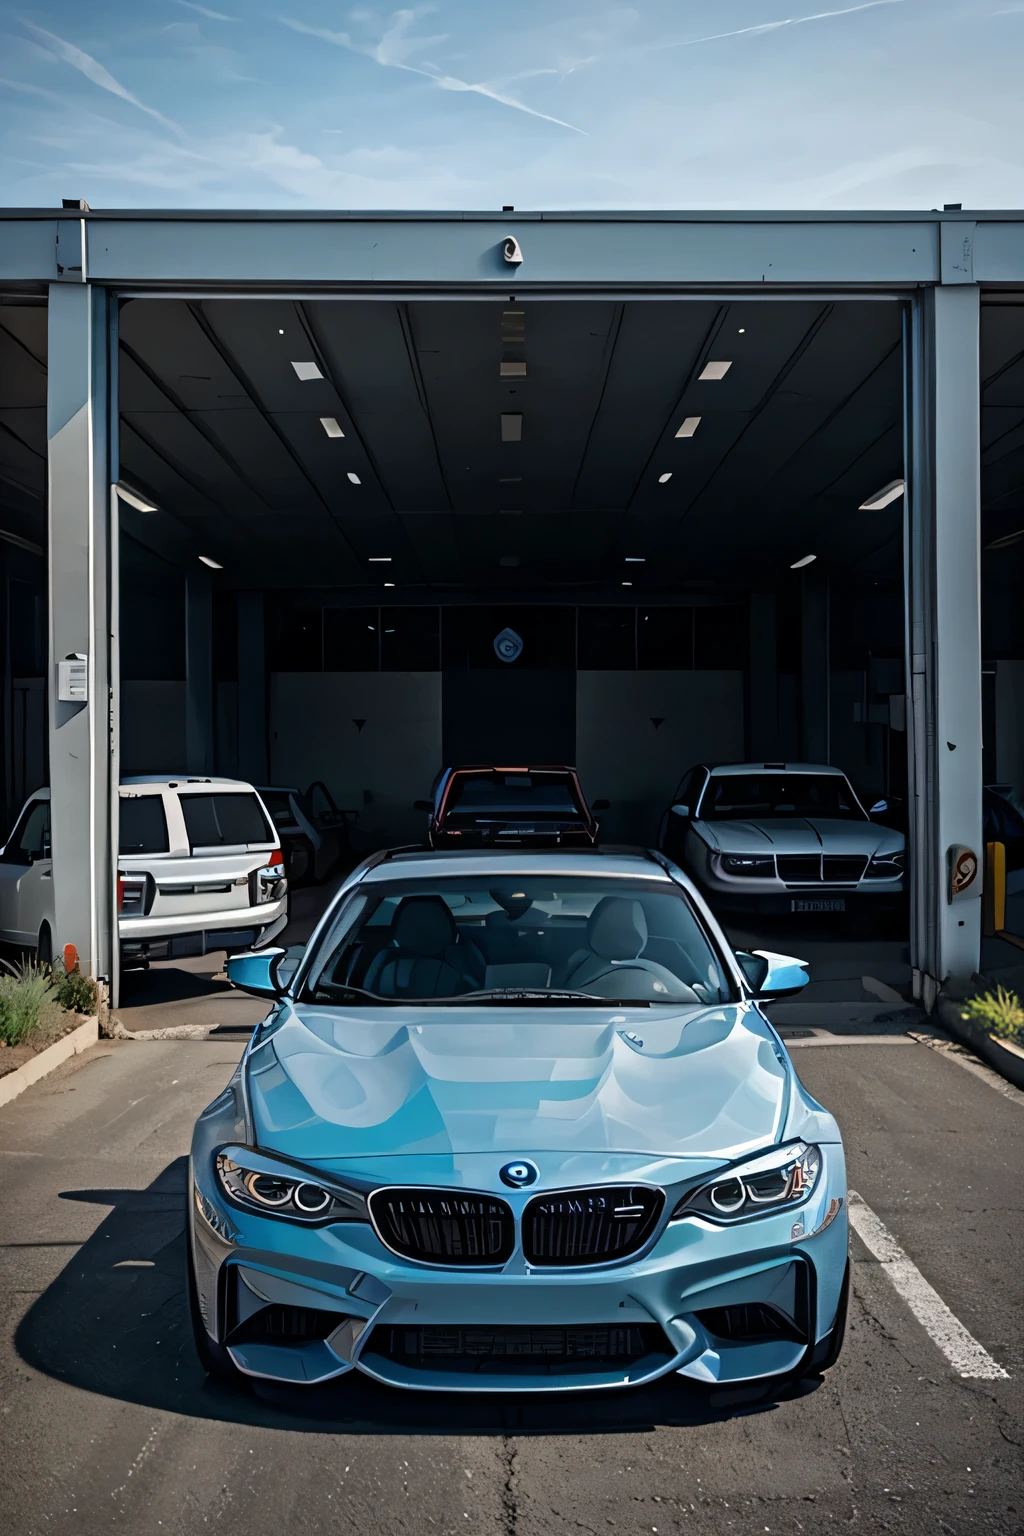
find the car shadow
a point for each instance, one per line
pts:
(115, 1321)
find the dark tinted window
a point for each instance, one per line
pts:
(351, 639)
(606, 639)
(720, 639)
(295, 641)
(280, 808)
(664, 639)
(142, 824)
(547, 636)
(31, 837)
(504, 794)
(410, 639)
(736, 796)
(224, 820)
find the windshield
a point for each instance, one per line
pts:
(494, 796)
(749, 796)
(517, 939)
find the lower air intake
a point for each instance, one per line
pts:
(521, 1348)
(754, 1323)
(589, 1226)
(443, 1226)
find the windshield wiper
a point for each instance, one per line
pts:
(531, 995)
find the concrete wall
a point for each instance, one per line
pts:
(378, 768)
(625, 757)
(152, 726)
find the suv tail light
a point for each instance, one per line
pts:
(132, 892)
(268, 882)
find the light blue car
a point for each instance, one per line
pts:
(517, 1123)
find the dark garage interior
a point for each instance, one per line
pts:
(335, 506)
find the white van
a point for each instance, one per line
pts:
(199, 868)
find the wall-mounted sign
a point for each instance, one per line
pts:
(508, 646)
(963, 870)
(73, 679)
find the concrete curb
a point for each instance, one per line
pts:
(79, 1040)
(117, 1031)
(1006, 1059)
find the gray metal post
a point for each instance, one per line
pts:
(815, 725)
(943, 562)
(252, 689)
(764, 677)
(199, 673)
(82, 622)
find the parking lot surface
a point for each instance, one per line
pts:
(109, 1423)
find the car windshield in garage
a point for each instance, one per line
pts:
(517, 939)
(224, 821)
(749, 796)
(474, 796)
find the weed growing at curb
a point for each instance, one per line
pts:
(23, 996)
(1000, 1013)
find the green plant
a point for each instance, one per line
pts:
(23, 995)
(74, 992)
(1001, 1013)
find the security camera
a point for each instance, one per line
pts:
(511, 251)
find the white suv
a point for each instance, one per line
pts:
(199, 868)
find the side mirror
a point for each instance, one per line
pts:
(887, 803)
(770, 976)
(257, 972)
(423, 805)
(601, 805)
(681, 810)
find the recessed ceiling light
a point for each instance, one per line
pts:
(134, 499)
(627, 583)
(511, 480)
(214, 565)
(805, 561)
(389, 583)
(511, 427)
(280, 330)
(663, 479)
(742, 330)
(512, 370)
(331, 427)
(306, 371)
(635, 559)
(689, 426)
(354, 477)
(715, 371)
(882, 498)
(379, 559)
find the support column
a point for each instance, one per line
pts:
(815, 725)
(943, 564)
(82, 622)
(252, 689)
(764, 677)
(199, 673)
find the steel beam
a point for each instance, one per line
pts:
(82, 544)
(943, 603)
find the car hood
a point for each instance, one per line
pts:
(335, 1084)
(798, 834)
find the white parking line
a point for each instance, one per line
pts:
(960, 1348)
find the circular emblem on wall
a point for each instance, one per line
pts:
(508, 646)
(519, 1174)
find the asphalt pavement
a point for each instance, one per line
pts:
(109, 1424)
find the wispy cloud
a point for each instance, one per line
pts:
(201, 10)
(396, 47)
(770, 26)
(94, 71)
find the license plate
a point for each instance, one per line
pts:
(819, 904)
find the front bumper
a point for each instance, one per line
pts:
(197, 933)
(620, 1324)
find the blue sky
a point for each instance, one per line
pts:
(540, 103)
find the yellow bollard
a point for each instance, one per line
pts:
(995, 889)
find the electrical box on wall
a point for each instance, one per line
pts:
(73, 679)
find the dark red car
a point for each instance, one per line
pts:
(490, 807)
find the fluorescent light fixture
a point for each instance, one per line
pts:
(805, 561)
(1006, 540)
(635, 559)
(742, 330)
(379, 559)
(214, 565)
(307, 371)
(389, 583)
(689, 426)
(331, 426)
(511, 480)
(134, 499)
(627, 583)
(513, 370)
(882, 498)
(714, 371)
(665, 478)
(511, 426)
(354, 477)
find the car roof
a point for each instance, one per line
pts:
(506, 768)
(730, 768)
(419, 863)
(183, 780)
(277, 789)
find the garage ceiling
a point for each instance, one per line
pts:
(472, 477)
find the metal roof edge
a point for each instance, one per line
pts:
(581, 215)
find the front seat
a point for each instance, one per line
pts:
(611, 963)
(422, 959)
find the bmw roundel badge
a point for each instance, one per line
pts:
(518, 1175)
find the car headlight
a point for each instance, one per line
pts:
(285, 1192)
(777, 1180)
(748, 864)
(885, 866)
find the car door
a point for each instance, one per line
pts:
(26, 877)
(679, 816)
